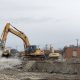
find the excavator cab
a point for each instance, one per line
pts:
(33, 52)
(31, 49)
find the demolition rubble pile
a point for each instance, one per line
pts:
(71, 66)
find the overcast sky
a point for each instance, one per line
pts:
(55, 22)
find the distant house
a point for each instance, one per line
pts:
(71, 51)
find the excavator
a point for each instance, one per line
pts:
(29, 50)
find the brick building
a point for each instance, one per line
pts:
(71, 51)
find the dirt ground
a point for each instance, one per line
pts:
(12, 74)
(16, 69)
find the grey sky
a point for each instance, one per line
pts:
(55, 22)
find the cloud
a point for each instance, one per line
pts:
(43, 20)
(33, 19)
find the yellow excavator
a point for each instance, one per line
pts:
(30, 50)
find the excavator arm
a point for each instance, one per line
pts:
(16, 32)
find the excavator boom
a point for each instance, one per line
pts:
(16, 32)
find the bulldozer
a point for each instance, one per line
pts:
(30, 51)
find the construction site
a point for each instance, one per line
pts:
(36, 64)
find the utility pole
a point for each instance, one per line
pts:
(46, 47)
(77, 42)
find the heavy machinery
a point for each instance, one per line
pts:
(30, 50)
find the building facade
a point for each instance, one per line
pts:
(72, 51)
